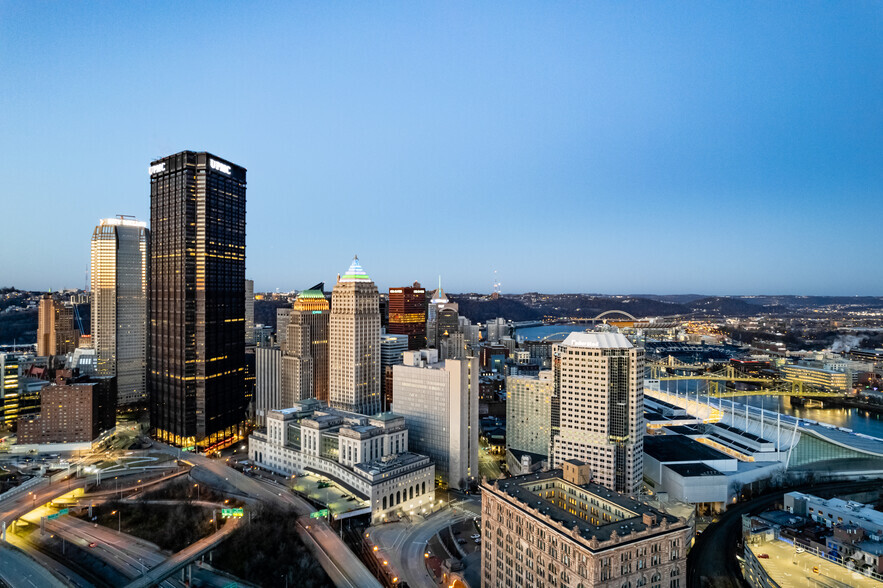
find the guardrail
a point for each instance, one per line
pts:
(20, 488)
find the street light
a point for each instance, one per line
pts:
(197, 492)
(119, 520)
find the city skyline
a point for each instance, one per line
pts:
(735, 147)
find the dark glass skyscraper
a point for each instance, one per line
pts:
(196, 306)
(407, 314)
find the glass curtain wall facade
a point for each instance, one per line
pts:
(196, 302)
(407, 315)
(119, 305)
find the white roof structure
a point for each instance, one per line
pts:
(355, 273)
(598, 341)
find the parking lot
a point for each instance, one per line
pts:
(789, 568)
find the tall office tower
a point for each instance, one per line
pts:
(283, 317)
(355, 343)
(439, 401)
(305, 352)
(392, 347)
(249, 312)
(442, 318)
(529, 413)
(268, 382)
(56, 334)
(196, 300)
(119, 305)
(471, 333)
(601, 396)
(497, 329)
(407, 314)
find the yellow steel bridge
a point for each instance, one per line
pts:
(718, 378)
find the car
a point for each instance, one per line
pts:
(93, 544)
(475, 536)
(815, 569)
(461, 541)
(763, 555)
(478, 541)
(800, 550)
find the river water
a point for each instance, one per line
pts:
(860, 421)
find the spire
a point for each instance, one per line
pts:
(355, 273)
(439, 296)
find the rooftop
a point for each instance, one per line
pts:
(515, 487)
(693, 470)
(598, 341)
(390, 462)
(669, 448)
(355, 273)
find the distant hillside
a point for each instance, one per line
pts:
(485, 310)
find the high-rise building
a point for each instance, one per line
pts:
(442, 318)
(391, 349)
(268, 382)
(17, 398)
(283, 317)
(71, 413)
(529, 413)
(56, 334)
(196, 300)
(600, 386)
(555, 528)
(119, 305)
(249, 312)
(439, 401)
(407, 314)
(355, 343)
(305, 352)
(496, 330)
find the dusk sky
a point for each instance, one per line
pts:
(709, 147)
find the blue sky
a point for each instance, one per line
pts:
(714, 147)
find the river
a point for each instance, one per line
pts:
(856, 419)
(860, 421)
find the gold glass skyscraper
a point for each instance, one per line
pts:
(119, 305)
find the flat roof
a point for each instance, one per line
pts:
(598, 341)
(515, 487)
(693, 470)
(668, 448)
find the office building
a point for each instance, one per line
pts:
(18, 396)
(305, 352)
(553, 528)
(283, 317)
(442, 318)
(56, 334)
(369, 456)
(391, 349)
(497, 329)
(249, 312)
(407, 314)
(439, 401)
(268, 382)
(119, 305)
(826, 379)
(196, 301)
(355, 343)
(600, 384)
(74, 414)
(529, 416)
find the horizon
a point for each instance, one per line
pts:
(605, 147)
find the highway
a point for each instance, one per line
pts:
(338, 561)
(19, 571)
(404, 544)
(183, 557)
